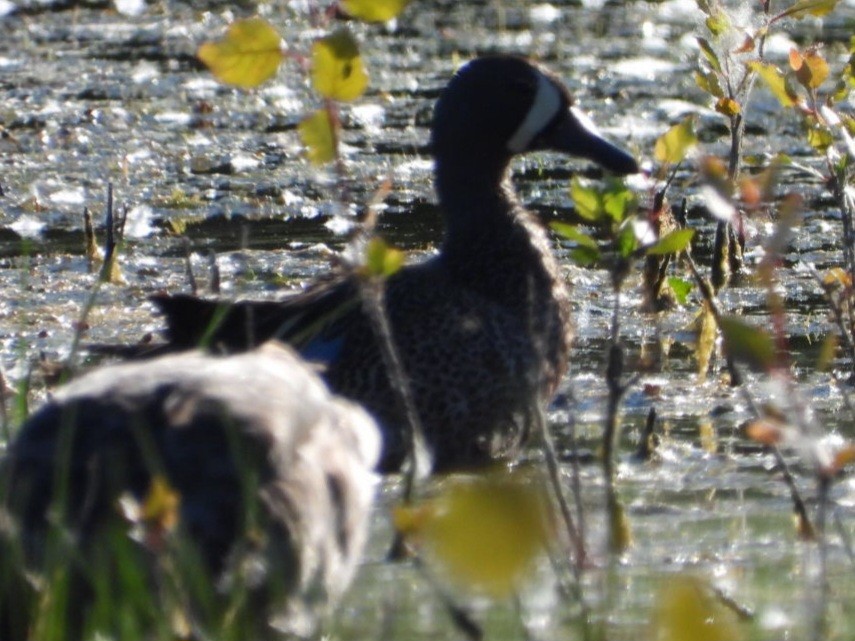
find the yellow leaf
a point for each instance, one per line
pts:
(337, 69)
(318, 135)
(374, 10)
(672, 146)
(411, 520)
(811, 68)
(111, 271)
(687, 609)
(837, 277)
(161, 504)
(727, 107)
(248, 55)
(827, 352)
(487, 530)
(803, 8)
(705, 345)
(708, 436)
(776, 82)
(382, 260)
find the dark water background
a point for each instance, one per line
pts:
(90, 96)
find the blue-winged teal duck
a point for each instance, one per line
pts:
(483, 329)
(273, 474)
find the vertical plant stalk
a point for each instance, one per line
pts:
(577, 541)
(616, 389)
(820, 591)
(844, 307)
(92, 253)
(5, 395)
(619, 533)
(419, 464)
(460, 617)
(215, 280)
(114, 229)
(188, 266)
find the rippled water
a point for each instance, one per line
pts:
(91, 96)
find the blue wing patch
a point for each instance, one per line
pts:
(323, 349)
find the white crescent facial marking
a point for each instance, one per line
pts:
(547, 102)
(583, 119)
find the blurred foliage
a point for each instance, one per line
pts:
(246, 56)
(687, 609)
(486, 530)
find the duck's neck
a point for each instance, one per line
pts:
(490, 240)
(478, 202)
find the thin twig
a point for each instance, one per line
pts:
(820, 589)
(419, 464)
(843, 533)
(554, 472)
(461, 618)
(214, 284)
(188, 266)
(4, 413)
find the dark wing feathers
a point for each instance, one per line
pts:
(317, 314)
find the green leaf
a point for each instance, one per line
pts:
(588, 202)
(382, 260)
(374, 10)
(672, 146)
(710, 54)
(585, 256)
(626, 242)
(677, 241)
(776, 82)
(248, 55)
(804, 8)
(618, 202)
(337, 69)
(571, 232)
(818, 135)
(681, 288)
(704, 6)
(318, 136)
(718, 23)
(748, 344)
(709, 82)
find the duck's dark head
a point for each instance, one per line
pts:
(497, 107)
